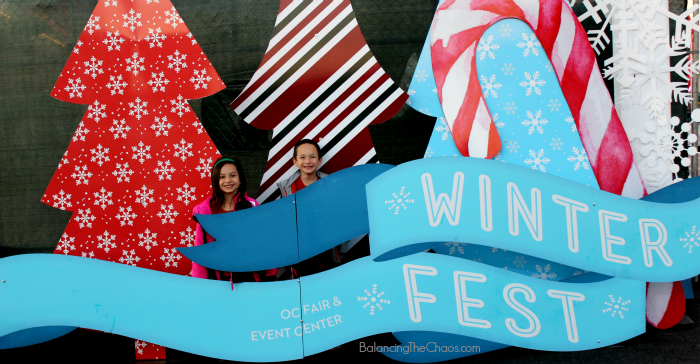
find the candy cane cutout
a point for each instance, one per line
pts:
(455, 33)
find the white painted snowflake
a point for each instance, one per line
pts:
(183, 150)
(129, 257)
(554, 105)
(122, 172)
(116, 85)
(200, 79)
(421, 75)
(556, 144)
(198, 126)
(486, 48)
(204, 168)
(81, 175)
(90, 255)
(63, 160)
(570, 120)
(499, 124)
(62, 200)
(99, 155)
(65, 244)
(144, 196)
(119, 128)
(537, 160)
(373, 300)
(135, 64)
(113, 41)
(441, 127)
(189, 35)
(580, 159)
(455, 247)
(76, 50)
(532, 83)
(177, 61)
(131, 20)
(170, 257)
(510, 108)
(167, 214)
(138, 108)
(96, 111)
(512, 146)
(103, 198)
(160, 126)
(92, 24)
(164, 170)
(110, 2)
(80, 133)
(692, 239)
(93, 67)
(489, 86)
(544, 273)
(616, 307)
(173, 18)
(186, 194)
(158, 82)
(106, 241)
(495, 250)
(85, 218)
(148, 239)
(155, 37)
(508, 69)
(428, 153)
(126, 216)
(530, 45)
(141, 152)
(520, 262)
(75, 88)
(399, 200)
(180, 106)
(505, 30)
(187, 237)
(535, 122)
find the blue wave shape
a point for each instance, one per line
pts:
(291, 229)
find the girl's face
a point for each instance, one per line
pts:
(228, 179)
(307, 159)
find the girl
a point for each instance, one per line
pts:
(229, 193)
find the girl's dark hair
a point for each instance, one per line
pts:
(306, 141)
(218, 195)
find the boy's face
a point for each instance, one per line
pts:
(307, 159)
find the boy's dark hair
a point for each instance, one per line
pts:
(306, 141)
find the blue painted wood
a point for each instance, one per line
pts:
(33, 336)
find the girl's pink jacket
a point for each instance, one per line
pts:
(205, 208)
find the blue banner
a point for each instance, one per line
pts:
(514, 208)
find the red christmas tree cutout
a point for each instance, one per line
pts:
(140, 160)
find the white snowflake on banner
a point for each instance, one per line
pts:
(399, 200)
(113, 41)
(535, 122)
(556, 144)
(87, 255)
(177, 61)
(530, 44)
(119, 128)
(93, 67)
(76, 50)
(110, 2)
(489, 86)
(155, 37)
(580, 159)
(164, 170)
(85, 218)
(106, 241)
(138, 108)
(144, 196)
(373, 300)
(200, 79)
(103, 198)
(96, 111)
(554, 105)
(141, 152)
(532, 83)
(198, 126)
(429, 153)
(116, 85)
(520, 262)
(170, 257)
(510, 108)
(537, 160)
(92, 24)
(421, 75)
(135, 64)
(570, 120)
(158, 82)
(186, 194)
(204, 168)
(148, 239)
(129, 257)
(183, 150)
(80, 133)
(180, 106)
(122, 172)
(63, 160)
(508, 69)
(99, 155)
(692, 239)
(167, 214)
(187, 237)
(173, 18)
(616, 307)
(189, 35)
(512, 146)
(139, 346)
(131, 20)
(505, 30)
(75, 88)
(62, 200)
(455, 247)
(160, 126)
(81, 175)
(544, 273)
(486, 48)
(499, 124)
(65, 244)
(441, 127)
(126, 216)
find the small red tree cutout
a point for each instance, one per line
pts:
(140, 159)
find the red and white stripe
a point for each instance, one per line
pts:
(318, 80)
(665, 304)
(455, 33)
